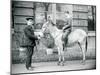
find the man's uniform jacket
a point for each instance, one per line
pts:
(29, 37)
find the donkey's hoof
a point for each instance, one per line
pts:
(58, 63)
(62, 64)
(83, 62)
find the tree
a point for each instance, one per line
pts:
(46, 5)
(34, 9)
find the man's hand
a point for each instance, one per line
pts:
(38, 37)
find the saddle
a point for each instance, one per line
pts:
(66, 28)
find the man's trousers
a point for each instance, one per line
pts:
(29, 53)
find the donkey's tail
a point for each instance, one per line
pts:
(86, 44)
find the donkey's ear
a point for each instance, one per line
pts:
(53, 23)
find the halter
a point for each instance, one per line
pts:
(45, 26)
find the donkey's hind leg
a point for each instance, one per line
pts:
(59, 61)
(84, 55)
(83, 52)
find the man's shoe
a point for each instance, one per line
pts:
(30, 68)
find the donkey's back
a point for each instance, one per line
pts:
(77, 35)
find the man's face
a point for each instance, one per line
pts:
(30, 22)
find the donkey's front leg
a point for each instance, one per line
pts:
(62, 55)
(63, 58)
(84, 55)
(59, 56)
(59, 61)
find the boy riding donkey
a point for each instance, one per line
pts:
(66, 28)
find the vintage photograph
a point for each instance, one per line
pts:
(52, 37)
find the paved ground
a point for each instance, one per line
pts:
(52, 66)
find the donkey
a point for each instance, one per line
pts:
(77, 36)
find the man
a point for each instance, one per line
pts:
(30, 39)
(67, 27)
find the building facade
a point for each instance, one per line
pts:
(83, 17)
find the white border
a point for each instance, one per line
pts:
(87, 2)
(5, 36)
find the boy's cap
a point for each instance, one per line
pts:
(30, 18)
